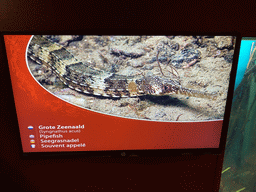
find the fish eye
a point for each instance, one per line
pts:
(165, 87)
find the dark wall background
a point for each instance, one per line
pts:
(178, 173)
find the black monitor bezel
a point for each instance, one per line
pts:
(146, 152)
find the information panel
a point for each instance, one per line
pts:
(99, 93)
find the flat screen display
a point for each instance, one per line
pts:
(116, 93)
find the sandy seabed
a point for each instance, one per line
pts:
(210, 74)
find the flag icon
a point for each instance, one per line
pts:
(32, 141)
(31, 136)
(30, 127)
(33, 146)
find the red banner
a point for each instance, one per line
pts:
(48, 123)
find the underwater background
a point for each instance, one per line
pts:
(239, 164)
(244, 56)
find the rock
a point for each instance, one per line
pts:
(148, 67)
(136, 64)
(223, 42)
(229, 57)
